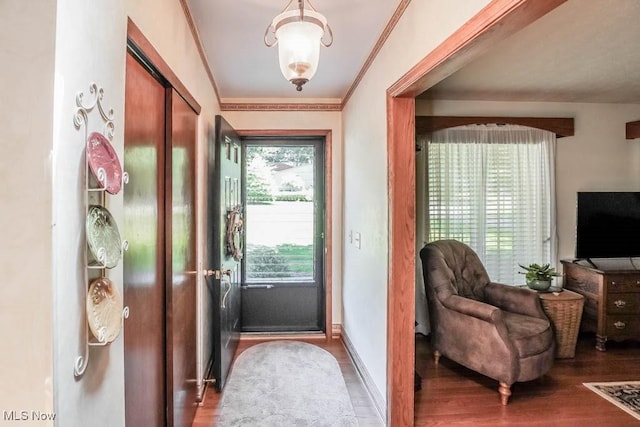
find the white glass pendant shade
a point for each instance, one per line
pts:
(299, 44)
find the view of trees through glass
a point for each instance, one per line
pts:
(279, 213)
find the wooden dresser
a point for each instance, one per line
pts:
(612, 301)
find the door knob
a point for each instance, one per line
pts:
(217, 273)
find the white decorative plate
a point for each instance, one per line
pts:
(104, 310)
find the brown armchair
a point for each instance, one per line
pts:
(497, 330)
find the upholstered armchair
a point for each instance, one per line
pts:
(497, 330)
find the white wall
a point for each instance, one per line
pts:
(27, 32)
(297, 120)
(596, 158)
(422, 27)
(90, 46)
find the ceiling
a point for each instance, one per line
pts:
(583, 51)
(232, 34)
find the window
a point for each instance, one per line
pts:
(492, 187)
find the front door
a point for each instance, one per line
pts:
(224, 235)
(283, 287)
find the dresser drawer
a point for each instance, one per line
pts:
(628, 303)
(623, 283)
(623, 326)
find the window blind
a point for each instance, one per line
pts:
(492, 188)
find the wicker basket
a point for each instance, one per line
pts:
(565, 312)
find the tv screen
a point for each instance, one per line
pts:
(608, 225)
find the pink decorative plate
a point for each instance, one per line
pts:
(104, 162)
(104, 310)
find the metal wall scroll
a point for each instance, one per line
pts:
(104, 313)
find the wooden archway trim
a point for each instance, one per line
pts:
(559, 125)
(633, 130)
(498, 20)
(148, 54)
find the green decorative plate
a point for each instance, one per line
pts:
(103, 237)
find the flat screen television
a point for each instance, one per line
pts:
(608, 225)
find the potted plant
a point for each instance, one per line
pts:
(539, 276)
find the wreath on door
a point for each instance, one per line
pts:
(234, 233)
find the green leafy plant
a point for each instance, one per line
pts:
(539, 272)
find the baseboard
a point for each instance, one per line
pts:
(370, 385)
(336, 331)
(270, 336)
(202, 391)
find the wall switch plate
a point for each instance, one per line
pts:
(356, 239)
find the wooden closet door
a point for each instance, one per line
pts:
(182, 270)
(144, 261)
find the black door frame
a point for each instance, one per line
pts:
(319, 213)
(330, 330)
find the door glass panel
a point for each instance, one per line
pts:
(280, 213)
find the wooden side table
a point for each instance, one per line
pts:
(564, 310)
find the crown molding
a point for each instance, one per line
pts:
(198, 41)
(293, 106)
(377, 48)
(279, 106)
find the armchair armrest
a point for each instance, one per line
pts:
(472, 308)
(514, 299)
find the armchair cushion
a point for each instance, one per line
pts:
(530, 335)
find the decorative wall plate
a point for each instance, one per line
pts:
(103, 236)
(104, 163)
(104, 310)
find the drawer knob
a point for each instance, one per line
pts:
(620, 303)
(619, 325)
(613, 283)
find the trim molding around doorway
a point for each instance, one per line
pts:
(149, 55)
(498, 20)
(328, 194)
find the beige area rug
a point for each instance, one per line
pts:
(625, 395)
(286, 383)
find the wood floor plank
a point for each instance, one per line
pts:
(454, 395)
(363, 406)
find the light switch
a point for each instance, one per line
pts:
(356, 239)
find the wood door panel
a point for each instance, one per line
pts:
(144, 291)
(183, 266)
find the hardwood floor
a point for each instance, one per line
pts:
(454, 395)
(363, 406)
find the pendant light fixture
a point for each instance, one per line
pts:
(298, 32)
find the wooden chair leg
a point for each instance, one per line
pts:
(505, 392)
(436, 356)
